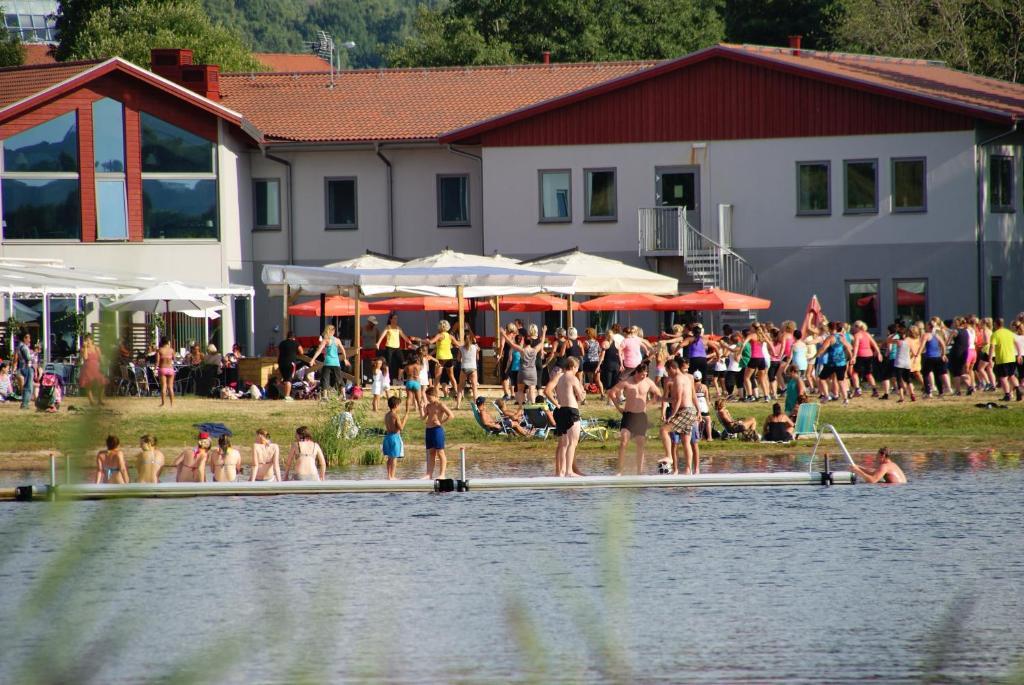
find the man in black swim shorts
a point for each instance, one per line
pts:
(566, 392)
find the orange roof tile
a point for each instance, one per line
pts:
(911, 76)
(286, 61)
(401, 104)
(18, 83)
(38, 53)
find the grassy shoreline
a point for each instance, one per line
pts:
(27, 438)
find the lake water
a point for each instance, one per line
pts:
(781, 585)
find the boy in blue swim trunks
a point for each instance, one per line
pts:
(392, 446)
(435, 415)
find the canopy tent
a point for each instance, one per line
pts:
(458, 281)
(712, 299)
(626, 302)
(368, 260)
(600, 275)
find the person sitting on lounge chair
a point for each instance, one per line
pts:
(507, 422)
(745, 426)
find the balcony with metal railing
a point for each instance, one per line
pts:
(665, 232)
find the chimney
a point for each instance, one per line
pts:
(175, 64)
(546, 57)
(167, 62)
(203, 79)
(794, 44)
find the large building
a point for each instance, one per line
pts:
(887, 187)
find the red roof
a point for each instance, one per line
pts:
(38, 53)
(923, 82)
(286, 61)
(18, 83)
(401, 104)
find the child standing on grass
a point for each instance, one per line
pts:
(379, 382)
(392, 445)
(435, 415)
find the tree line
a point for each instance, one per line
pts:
(981, 36)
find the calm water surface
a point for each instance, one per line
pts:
(782, 585)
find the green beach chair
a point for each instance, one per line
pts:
(807, 419)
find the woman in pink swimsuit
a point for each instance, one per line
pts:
(165, 370)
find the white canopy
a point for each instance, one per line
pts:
(600, 275)
(368, 260)
(447, 258)
(477, 281)
(170, 296)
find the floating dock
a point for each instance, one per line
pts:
(331, 487)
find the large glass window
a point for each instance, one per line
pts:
(179, 182)
(909, 191)
(39, 187)
(179, 208)
(599, 195)
(862, 302)
(1000, 183)
(108, 135)
(911, 299)
(555, 195)
(341, 203)
(111, 210)
(812, 188)
(861, 186)
(453, 200)
(43, 208)
(52, 146)
(169, 149)
(266, 193)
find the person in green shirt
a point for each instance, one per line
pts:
(1002, 350)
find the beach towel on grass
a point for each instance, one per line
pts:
(214, 429)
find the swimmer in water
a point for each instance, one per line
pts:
(888, 471)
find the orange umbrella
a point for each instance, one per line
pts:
(532, 303)
(712, 299)
(622, 302)
(426, 303)
(337, 305)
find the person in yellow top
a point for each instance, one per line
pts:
(443, 342)
(1002, 351)
(393, 336)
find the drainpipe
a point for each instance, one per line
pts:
(479, 160)
(291, 205)
(979, 230)
(391, 199)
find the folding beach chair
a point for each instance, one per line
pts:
(537, 417)
(504, 430)
(807, 419)
(593, 429)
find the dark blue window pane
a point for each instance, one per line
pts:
(111, 222)
(108, 135)
(169, 149)
(52, 146)
(179, 209)
(41, 209)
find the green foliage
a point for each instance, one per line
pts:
(12, 53)
(980, 36)
(771, 22)
(131, 30)
(477, 32)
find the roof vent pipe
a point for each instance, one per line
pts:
(546, 56)
(794, 44)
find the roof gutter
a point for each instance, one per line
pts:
(391, 197)
(479, 160)
(979, 227)
(291, 205)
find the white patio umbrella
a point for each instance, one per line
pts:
(168, 296)
(368, 260)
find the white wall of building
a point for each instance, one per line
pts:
(757, 177)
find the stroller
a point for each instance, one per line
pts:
(51, 393)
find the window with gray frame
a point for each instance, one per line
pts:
(911, 296)
(599, 195)
(813, 195)
(1000, 183)
(862, 302)
(266, 196)
(341, 202)
(453, 200)
(909, 184)
(555, 195)
(860, 186)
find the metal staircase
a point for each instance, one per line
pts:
(665, 232)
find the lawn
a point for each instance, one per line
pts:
(26, 437)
